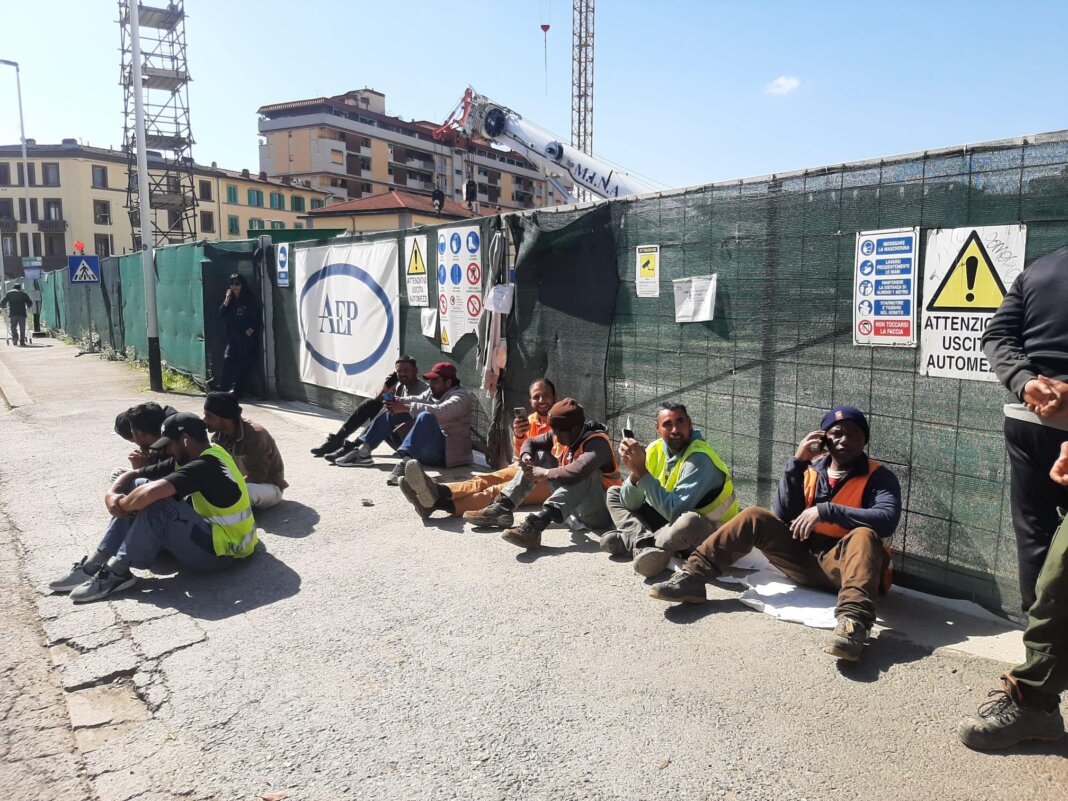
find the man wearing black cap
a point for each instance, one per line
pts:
(17, 302)
(830, 529)
(251, 445)
(242, 315)
(210, 533)
(433, 428)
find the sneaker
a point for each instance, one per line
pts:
(847, 641)
(423, 486)
(77, 576)
(1002, 722)
(397, 474)
(612, 543)
(651, 561)
(527, 534)
(354, 459)
(102, 585)
(683, 587)
(346, 448)
(413, 498)
(333, 442)
(492, 516)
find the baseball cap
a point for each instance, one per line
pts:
(442, 370)
(851, 413)
(178, 424)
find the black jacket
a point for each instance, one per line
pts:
(242, 313)
(17, 302)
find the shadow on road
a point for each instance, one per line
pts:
(288, 519)
(691, 613)
(580, 543)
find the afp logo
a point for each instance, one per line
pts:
(346, 318)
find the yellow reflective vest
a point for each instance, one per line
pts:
(721, 508)
(233, 528)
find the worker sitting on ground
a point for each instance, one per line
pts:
(830, 528)
(471, 498)
(433, 428)
(148, 517)
(575, 458)
(678, 493)
(251, 446)
(403, 382)
(140, 425)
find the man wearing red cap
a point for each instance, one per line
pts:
(833, 518)
(433, 427)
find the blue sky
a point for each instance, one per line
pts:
(681, 88)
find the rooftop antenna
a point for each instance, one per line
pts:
(545, 39)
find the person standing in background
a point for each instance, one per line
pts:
(17, 302)
(242, 315)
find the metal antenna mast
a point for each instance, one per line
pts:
(582, 77)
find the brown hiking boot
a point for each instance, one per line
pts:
(847, 641)
(493, 516)
(682, 587)
(528, 533)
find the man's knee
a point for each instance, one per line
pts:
(614, 496)
(688, 531)
(862, 540)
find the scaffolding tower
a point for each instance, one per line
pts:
(582, 78)
(168, 135)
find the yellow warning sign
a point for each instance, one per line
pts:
(649, 266)
(444, 336)
(972, 284)
(416, 266)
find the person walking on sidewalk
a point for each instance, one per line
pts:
(1026, 342)
(242, 315)
(1027, 706)
(471, 498)
(679, 491)
(830, 528)
(17, 303)
(252, 447)
(210, 533)
(403, 382)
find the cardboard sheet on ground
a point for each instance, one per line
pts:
(770, 592)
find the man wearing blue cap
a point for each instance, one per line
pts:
(830, 528)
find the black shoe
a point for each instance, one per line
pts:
(612, 543)
(77, 576)
(344, 450)
(354, 458)
(333, 442)
(102, 585)
(1002, 722)
(413, 498)
(528, 533)
(847, 641)
(682, 587)
(397, 474)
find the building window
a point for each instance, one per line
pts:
(50, 173)
(278, 201)
(54, 245)
(33, 208)
(102, 245)
(207, 222)
(255, 224)
(100, 176)
(298, 226)
(277, 225)
(316, 203)
(9, 246)
(205, 190)
(7, 209)
(337, 157)
(102, 212)
(233, 225)
(255, 198)
(5, 174)
(296, 203)
(231, 194)
(33, 175)
(53, 209)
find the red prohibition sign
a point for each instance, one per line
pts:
(474, 306)
(474, 273)
(443, 304)
(864, 327)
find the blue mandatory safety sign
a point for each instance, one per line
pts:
(441, 244)
(867, 247)
(472, 242)
(282, 264)
(454, 243)
(442, 272)
(84, 269)
(456, 274)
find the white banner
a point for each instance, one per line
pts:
(966, 273)
(415, 270)
(348, 307)
(459, 283)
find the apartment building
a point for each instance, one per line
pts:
(348, 146)
(78, 193)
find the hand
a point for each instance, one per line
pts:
(803, 524)
(520, 427)
(397, 407)
(1059, 473)
(1041, 396)
(138, 459)
(111, 501)
(532, 471)
(632, 455)
(805, 453)
(229, 297)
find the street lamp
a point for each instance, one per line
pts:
(25, 167)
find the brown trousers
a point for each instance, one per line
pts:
(853, 567)
(480, 491)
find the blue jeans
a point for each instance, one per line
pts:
(167, 525)
(425, 442)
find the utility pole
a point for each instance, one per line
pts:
(155, 366)
(25, 168)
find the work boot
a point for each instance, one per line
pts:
(413, 498)
(342, 450)
(102, 585)
(528, 533)
(612, 543)
(651, 561)
(333, 442)
(354, 458)
(398, 473)
(683, 587)
(492, 516)
(847, 641)
(77, 576)
(1002, 722)
(423, 485)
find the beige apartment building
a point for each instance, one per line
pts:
(348, 146)
(78, 193)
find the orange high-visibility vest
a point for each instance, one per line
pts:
(537, 428)
(609, 478)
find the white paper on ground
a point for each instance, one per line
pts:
(773, 594)
(428, 318)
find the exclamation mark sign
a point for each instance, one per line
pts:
(971, 267)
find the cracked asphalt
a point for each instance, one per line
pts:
(364, 654)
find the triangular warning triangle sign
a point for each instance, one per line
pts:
(415, 263)
(84, 272)
(972, 284)
(444, 337)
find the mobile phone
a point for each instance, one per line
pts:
(388, 397)
(628, 434)
(519, 412)
(822, 445)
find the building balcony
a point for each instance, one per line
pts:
(9, 224)
(52, 226)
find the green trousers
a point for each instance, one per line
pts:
(1044, 675)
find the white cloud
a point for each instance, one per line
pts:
(782, 85)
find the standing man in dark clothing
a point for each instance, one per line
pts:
(1026, 343)
(17, 303)
(242, 315)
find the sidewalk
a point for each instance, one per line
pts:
(364, 654)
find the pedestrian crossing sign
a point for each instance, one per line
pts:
(84, 269)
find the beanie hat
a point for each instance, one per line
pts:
(567, 414)
(851, 413)
(223, 404)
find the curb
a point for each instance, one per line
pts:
(12, 390)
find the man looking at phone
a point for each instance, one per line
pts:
(833, 517)
(403, 382)
(679, 491)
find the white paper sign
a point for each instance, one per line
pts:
(647, 271)
(966, 273)
(885, 274)
(428, 319)
(459, 283)
(415, 270)
(499, 299)
(695, 298)
(348, 307)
